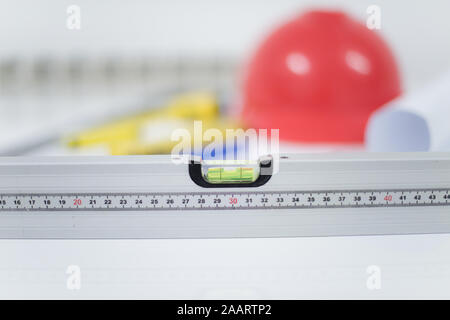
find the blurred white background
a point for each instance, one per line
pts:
(128, 52)
(417, 31)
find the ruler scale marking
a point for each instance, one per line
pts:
(223, 200)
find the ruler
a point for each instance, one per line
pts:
(224, 200)
(152, 197)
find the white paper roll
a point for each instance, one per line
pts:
(419, 121)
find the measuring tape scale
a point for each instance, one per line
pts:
(224, 200)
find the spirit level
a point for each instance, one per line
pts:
(152, 197)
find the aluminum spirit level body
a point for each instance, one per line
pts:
(152, 197)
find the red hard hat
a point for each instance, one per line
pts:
(318, 78)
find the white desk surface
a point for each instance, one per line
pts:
(412, 266)
(289, 268)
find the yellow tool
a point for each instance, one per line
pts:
(201, 106)
(161, 143)
(150, 132)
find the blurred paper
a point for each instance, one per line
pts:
(419, 121)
